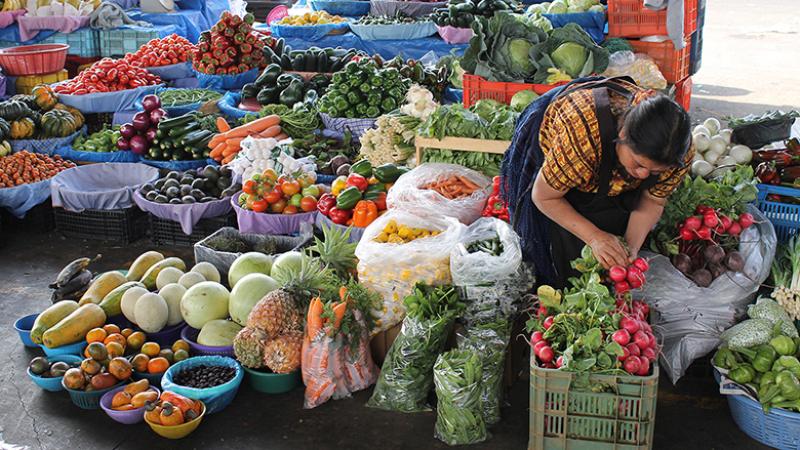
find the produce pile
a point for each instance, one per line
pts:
(166, 51)
(107, 75)
(38, 116)
(779, 165)
(311, 19)
(359, 197)
(432, 78)
(566, 7)
(285, 194)
(275, 86)
(398, 18)
(363, 90)
(715, 152)
(139, 136)
(330, 154)
(462, 13)
(182, 138)
(103, 141)
(313, 59)
(178, 97)
(171, 409)
(25, 167)
(203, 185)
(227, 142)
(231, 47)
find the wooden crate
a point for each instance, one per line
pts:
(460, 144)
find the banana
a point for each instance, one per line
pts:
(74, 288)
(70, 271)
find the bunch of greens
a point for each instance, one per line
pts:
(176, 97)
(766, 117)
(459, 419)
(102, 141)
(489, 341)
(571, 51)
(391, 140)
(407, 373)
(491, 246)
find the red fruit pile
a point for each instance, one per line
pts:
(495, 205)
(231, 47)
(627, 278)
(635, 335)
(107, 75)
(172, 49)
(709, 224)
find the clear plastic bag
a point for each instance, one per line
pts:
(391, 270)
(406, 194)
(642, 68)
(459, 419)
(489, 340)
(766, 308)
(747, 334)
(323, 370)
(360, 370)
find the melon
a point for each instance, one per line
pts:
(218, 333)
(204, 302)
(172, 294)
(128, 302)
(252, 262)
(247, 292)
(151, 312)
(168, 275)
(207, 270)
(289, 262)
(189, 279)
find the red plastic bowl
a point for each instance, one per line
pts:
(39, 59)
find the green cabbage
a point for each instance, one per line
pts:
(570, 58)
(597, 8)
(557, 7)
(522, 99)
(539, 8)
(583, 57)
(580, 5)
(541, 22)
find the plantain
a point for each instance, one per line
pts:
(71, 270)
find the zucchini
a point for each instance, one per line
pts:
(180, 131)
(193, 138)
(167, 124)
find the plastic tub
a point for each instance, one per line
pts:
(189, 335)
(272, 383)
(24, 325)
(53, 384)
(36, 59)
(178, 431)
(215, 398)
(69, 349)
(88, 400)
(167, 336)
(124, 417)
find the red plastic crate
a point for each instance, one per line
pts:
(477, 88)
(674, 64)
(629, 18)
(683, 93)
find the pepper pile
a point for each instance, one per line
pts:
(495, 205)
(108, 75)
(172, 49)
(362, 90)
(231, 47)
(269, 193)
(359, 198)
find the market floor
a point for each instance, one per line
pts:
(689, 416)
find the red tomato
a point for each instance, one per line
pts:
(260, 205)
(290, 188)
(249, 187)
(308, 203)
(273, 196)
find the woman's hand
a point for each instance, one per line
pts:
(608, 250)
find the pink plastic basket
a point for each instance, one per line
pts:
(37, 59)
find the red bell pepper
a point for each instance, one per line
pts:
(339, 216)
(325, 203)
(357, 181)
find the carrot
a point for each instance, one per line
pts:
(256, 126)
(217, 152)
(467, 183)
(338, 314)
(343, 293)
(216, 139)
(228, 158)
(230, 151)
(222, 125)
(314, 317)
(234, 142)
(270, 132)
(282, 136)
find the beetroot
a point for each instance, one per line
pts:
(621, 337)
(717, 270)
(683, 263)
(734, 261)
(629, 324)
(702, 277)
(714, 254)
(632, 364)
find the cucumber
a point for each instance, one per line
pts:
(193, 138)
(167, 124)
(183, 130)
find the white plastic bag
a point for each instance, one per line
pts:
(391, 270)
(479, 268)
(406, 194)
(641, 67)
(690, 318)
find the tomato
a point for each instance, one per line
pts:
(290, 209)
(273, 196)
(249, 187)
(260, 206)
(308, 203)
(290, 188)
(278, 206)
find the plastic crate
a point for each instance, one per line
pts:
(674, 64)
(84, 42)
(38, 219)
(785, 217)
(477, 88)
(75, 64)
(115, 225)
(168, 232)
(696, 54)
(24, 85)
(629, 18)
(683, 93)
(121, 41)
(562, 417)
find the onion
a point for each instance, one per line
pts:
(712, 157)
(151, 102)
(127, 131)
(726, 134)
(701, 168)
(700, 129)
(139, 145)
(141, 121)
(697, 157)
(712, 125)
(742, 154)
(123, 144)
(701, 142)
(156, 115)
(150, 134)
(718, 145)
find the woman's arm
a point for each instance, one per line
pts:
(605, 246)
(642, 220)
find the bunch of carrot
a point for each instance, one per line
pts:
(226, 144)
(452, 187)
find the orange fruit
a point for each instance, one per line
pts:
(168, 355)
(151, 349)
(90, 366)
(121, 368)
(140, 362)
(180, 344)
(157, 365)
(180, 355)
(136, 340)
(115, 349)
(111, 328)
(96, 335)
(126, 332)
(116, 337)
(96, 351)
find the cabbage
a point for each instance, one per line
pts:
(597, 8)
(519, 50)
(456, 75)
(580, 5)
(582, 57)
(522, 99)
(536, 9)
(557, 7)
(542, 22)
(570, 58)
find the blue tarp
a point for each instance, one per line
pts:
(415, 48)
(173, 71)
(20, 199)
(106, 101)
(594, 23)
(229, 105)
(96, 157)
(226, 82)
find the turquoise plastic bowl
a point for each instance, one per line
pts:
(53, 384)
(215, 398)
(89, 400)
(24, 325)
(69, 349)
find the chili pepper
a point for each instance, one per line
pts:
(783, 345)
(765, 356)
(767, 173)
(724, 358)
(364, 213)
(357, 181)
(325, 203)
(339, 216)
(742, 374)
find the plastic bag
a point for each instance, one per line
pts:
(690, 318)
(360, 370)
(391, 270)
(747, 334)
(459, 419)
(642, 68)
(759, 134)
(407, 373)
(489, 341)
(407, 195)
(226, 82)
(766, 308)
(267, 223)
(323, 370)
(345, 8)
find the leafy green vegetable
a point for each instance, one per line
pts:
(767, 116)
(296, 122)
(459, 419)
(552, 54)
(489, 342)
(522, 99)
(175, 97)
(571, 58)
(614, 45)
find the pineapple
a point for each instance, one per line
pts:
(248, 345)
(275, 314)
(336, 250)
(282, 354)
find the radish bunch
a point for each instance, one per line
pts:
(709, 224)
(627, 278)
(636, 337)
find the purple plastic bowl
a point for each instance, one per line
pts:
(153, 378)
(189, 335)
(124, 417)
(166, 337)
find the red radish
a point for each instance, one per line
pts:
(621, 337)
(542, 311)
(536, 336)
(622, 287)
(641, 340)
(745, 220)
(636, 283)
(617, 274)
(559, 362)
(549, 365)
(701, 209)
(632, 364)
(537, 347)
(646, 327)
(644, 366)
(710, 219)
(642, 306)
(633, 349)
(652, 339)
(692, 223)
(704, 233)
(686, 234)
(726, 222)
(735, 229)
(546, 354)
(629, 324)
(641, 264)
(548, 322)
(625, 354)
(650, 354)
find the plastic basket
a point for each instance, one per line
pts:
(779, 429)
(115, 225)
(477, 88)
(272, 383)
(84, 42)
(683, 93)
(36, 59)
(215, 398)
(168, 232)
(562, 417)
(88, 400)
(68, 349)
(785, 217)
(121, 41)
(53, 384)
(168, 335)
(124, 417)
(348, 8)
(629, 18)
(674, 64)
(696, 55)
(24, 85)
(189, 335)
(24, 325)
(75, 64)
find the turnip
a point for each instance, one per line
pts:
(734, 261)
(713, 254)
(700, 129)
(641, 264)
(741, 153)
(631, 364)
(683, 263)
(716, 269)
(711, 158)
(641, 340)
(617, 274)
(712, 125)
(702, 168)
(701, 142)
(718, 145)
(745, 220)
(644, 366)
(548, 322)
(621, 337)
(726, 134)
(702, 277)
(629, 324)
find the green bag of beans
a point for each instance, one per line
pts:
(489, 342)
(459, 418)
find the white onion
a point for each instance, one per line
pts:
(712, 125)
(741, 154)
(701, 168)
(726, 134)
(701, 142)
(711, 157)
(718, 145)
(701, 129)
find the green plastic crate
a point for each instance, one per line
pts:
(84, 42)
(562, 417)
(121, 41)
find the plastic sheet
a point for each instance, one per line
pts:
(489, 341)
(44, 146)
(29, 26)
(400, 31)
(99, 186)
(173, 71)
(266, 223)
(594, 23)
(346, 8)
(459, 419)
(323, 370)
(18, 200)
(308, 32)
(172, 111)
(690, 318)
(387, 49)
(407, 195)
(9, 17)
(226, 82)
(188, 215)
(391, 270)
(106, 102)
(215, 398)
(453, 35)
(180, 166)
(97, 157)
(341, 125)
(229, 105)
(323, 221)
(408, 8)
(640, 67)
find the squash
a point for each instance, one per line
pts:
(22, 128)
(58, 123)
(51, 316)
(79, 119)
(28, 100)
(45, 97)
(101, 286)
(14, 110)
(5, 128)
(74, 327)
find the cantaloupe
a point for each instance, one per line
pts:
(172, 294)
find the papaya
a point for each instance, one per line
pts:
(74, 327)
(51, 316)
(142, 263)
(112, 302)
(101, 286)
(149, 278)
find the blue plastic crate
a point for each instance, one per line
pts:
(696, 55)
(84, 42)
(785, 217)
(121, 41)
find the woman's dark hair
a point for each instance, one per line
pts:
(658, 129)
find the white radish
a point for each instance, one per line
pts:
(726, 134)
(718, 145)
(701, 168)
(701, 142)
(700, 129)
(712, 125)
(741, 154)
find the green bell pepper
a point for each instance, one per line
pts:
(363, 168)
(724, 358)
(742, 374)
(341, 105)
(344, 88)
(365, 88)
(789, 385)
(361, 109)
(388, 104)
(373, 112)
(784, 345)
(765, 356)
(352, 68)
(374, 98)
(389, 173)
(353, 98)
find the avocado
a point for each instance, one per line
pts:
(223, 182)
(147, 187)
(185, 190)
(39, 365)
(186, 199)
(151, 195)
(197, 194)
(225, 171)
(174, 175)
(228, 192)
(173, 192)
(198, 183)
(161, 199)
(58, 369)
(160, 183)
(187, 179)
(175, 201)
(171, 183)
(211, 173)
